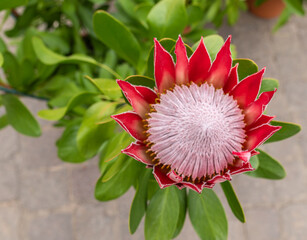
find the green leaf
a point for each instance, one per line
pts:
(117, 36)
(139, 203)
(19, 117)
(233, 201)
(3, 121)
(296, 6)
(195, 13)
(287, 130)
(67, 145)
(213, 44)
(114, 168)
(58, 113)
(91, 134)
(283, 19)
(9, 4)
(118, 184)
(162, 215)
(48, 57)
(268, 168)
(1, 59)
(182, 196)
(115, 145)
(108, 87)
(167, 18)
(268, 84)
(12, 69)
(141, 80)
(246, 67)
(254, 161)
(207, 215)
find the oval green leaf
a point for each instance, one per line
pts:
(182, 196)
(296, 6)
(246, 67)
(118, 184)
(167, 18)
(139, 203)
(287, 130)
(19, 117)
(91, 134)
(117, 36)
(108, 87)
(207, 215)
(233, 201)
(67, 145)
(58, 113)
(162, 215)
(268, 84)
(268, 168)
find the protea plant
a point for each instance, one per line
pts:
(200, 125)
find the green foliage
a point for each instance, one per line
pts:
(116, 36)
(120, 182)
(287, 130)
(6, 4)
(201, 209)
(139, 203)
(246, 67)
(19, 117)
(268, 168)
(70, 53)
(269, 84)
(67, 145)
(167, 19)
(162, 214)
(233, 201)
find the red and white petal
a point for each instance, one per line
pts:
(219, 71)
(181, 62)
(131, 123)
(244, 156)
(218, 179)
(246, 167)
(138, 150)
(199, 64)
(232, 80)
(255, 109)
(264, 119)
(257, 136)
(161, 178)
(148, 94)
(247, 90)
(164, 68)
(198, 187)
(138, 102)
(174, 176)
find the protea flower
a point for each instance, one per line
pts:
(200, 125)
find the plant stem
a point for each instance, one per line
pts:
(13, 91)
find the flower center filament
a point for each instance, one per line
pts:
(194, 130)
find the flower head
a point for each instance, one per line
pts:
(201, 125)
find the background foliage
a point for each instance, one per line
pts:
(69, 53)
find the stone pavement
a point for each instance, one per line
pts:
(42, 198)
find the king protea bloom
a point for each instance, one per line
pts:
(200, 125)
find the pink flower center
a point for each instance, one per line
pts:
(194, 130)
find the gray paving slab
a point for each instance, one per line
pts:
(40, 196)
(51, 227)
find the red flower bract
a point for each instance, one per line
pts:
(201, 125)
